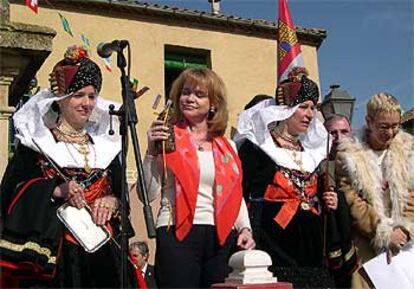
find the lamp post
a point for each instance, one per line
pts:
(338, 101)
(215, 6)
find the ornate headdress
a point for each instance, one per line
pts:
(74, 72)
(297, 88)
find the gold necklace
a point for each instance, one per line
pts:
(68, 130)
(291, 145)
(283, 134)
(83, 150)
(297, 158)
(60, 136)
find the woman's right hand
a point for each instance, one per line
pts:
(157, 132)
(398, 239)
(71, 192)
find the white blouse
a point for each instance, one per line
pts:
(204, 213)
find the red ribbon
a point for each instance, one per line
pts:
(283, 190)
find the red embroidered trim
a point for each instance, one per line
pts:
(7, 264)
(20, 193)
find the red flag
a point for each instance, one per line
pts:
(33, 5)
(288, 50)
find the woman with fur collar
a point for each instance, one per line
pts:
(375, 171)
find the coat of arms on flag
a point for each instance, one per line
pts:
(288, 51)
(33, 5)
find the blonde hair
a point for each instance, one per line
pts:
(217, 124)
(382, 102)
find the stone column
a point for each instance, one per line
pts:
(4, 11)
(250, 271)
(5, 113)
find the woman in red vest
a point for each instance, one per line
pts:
(202, 215)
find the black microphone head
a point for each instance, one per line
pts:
(106, 49)
(103, 50)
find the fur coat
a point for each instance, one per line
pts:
(376, 212)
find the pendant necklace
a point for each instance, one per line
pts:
(199, 145)
(84, 150)
(297, 158)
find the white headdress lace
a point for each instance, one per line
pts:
(33, 120)
(253, 126)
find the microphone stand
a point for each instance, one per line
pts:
(128, 118)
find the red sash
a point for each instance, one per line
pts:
(227, 189)
(283, 190)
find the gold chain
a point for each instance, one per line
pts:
(293, 144)
(297, 158)
(83, 150)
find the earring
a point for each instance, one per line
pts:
(211, 112)
(56, 108)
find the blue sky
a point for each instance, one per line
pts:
(369, 48)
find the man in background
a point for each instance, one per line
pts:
(342, 258)
(140, 252)
(338, 127)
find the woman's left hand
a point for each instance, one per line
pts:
(330, 199)
(245, 239)
(103, 209)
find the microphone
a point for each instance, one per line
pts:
(105, 50)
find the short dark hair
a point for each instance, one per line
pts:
(141, 246)
(336, 117)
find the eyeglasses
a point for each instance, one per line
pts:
(198, 93)
(386, 127)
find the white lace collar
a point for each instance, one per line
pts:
(252, 125)
(32, 122)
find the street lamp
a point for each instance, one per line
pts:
(215, 6)
(338, 101)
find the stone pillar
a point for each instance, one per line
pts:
(5, 114)
(4, 11)
(250, 272)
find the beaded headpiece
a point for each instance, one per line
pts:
(297, 88)
(74, 72)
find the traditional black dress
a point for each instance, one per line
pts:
(283, 190)
(297, 249)
(35, 244)
(36, 249)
